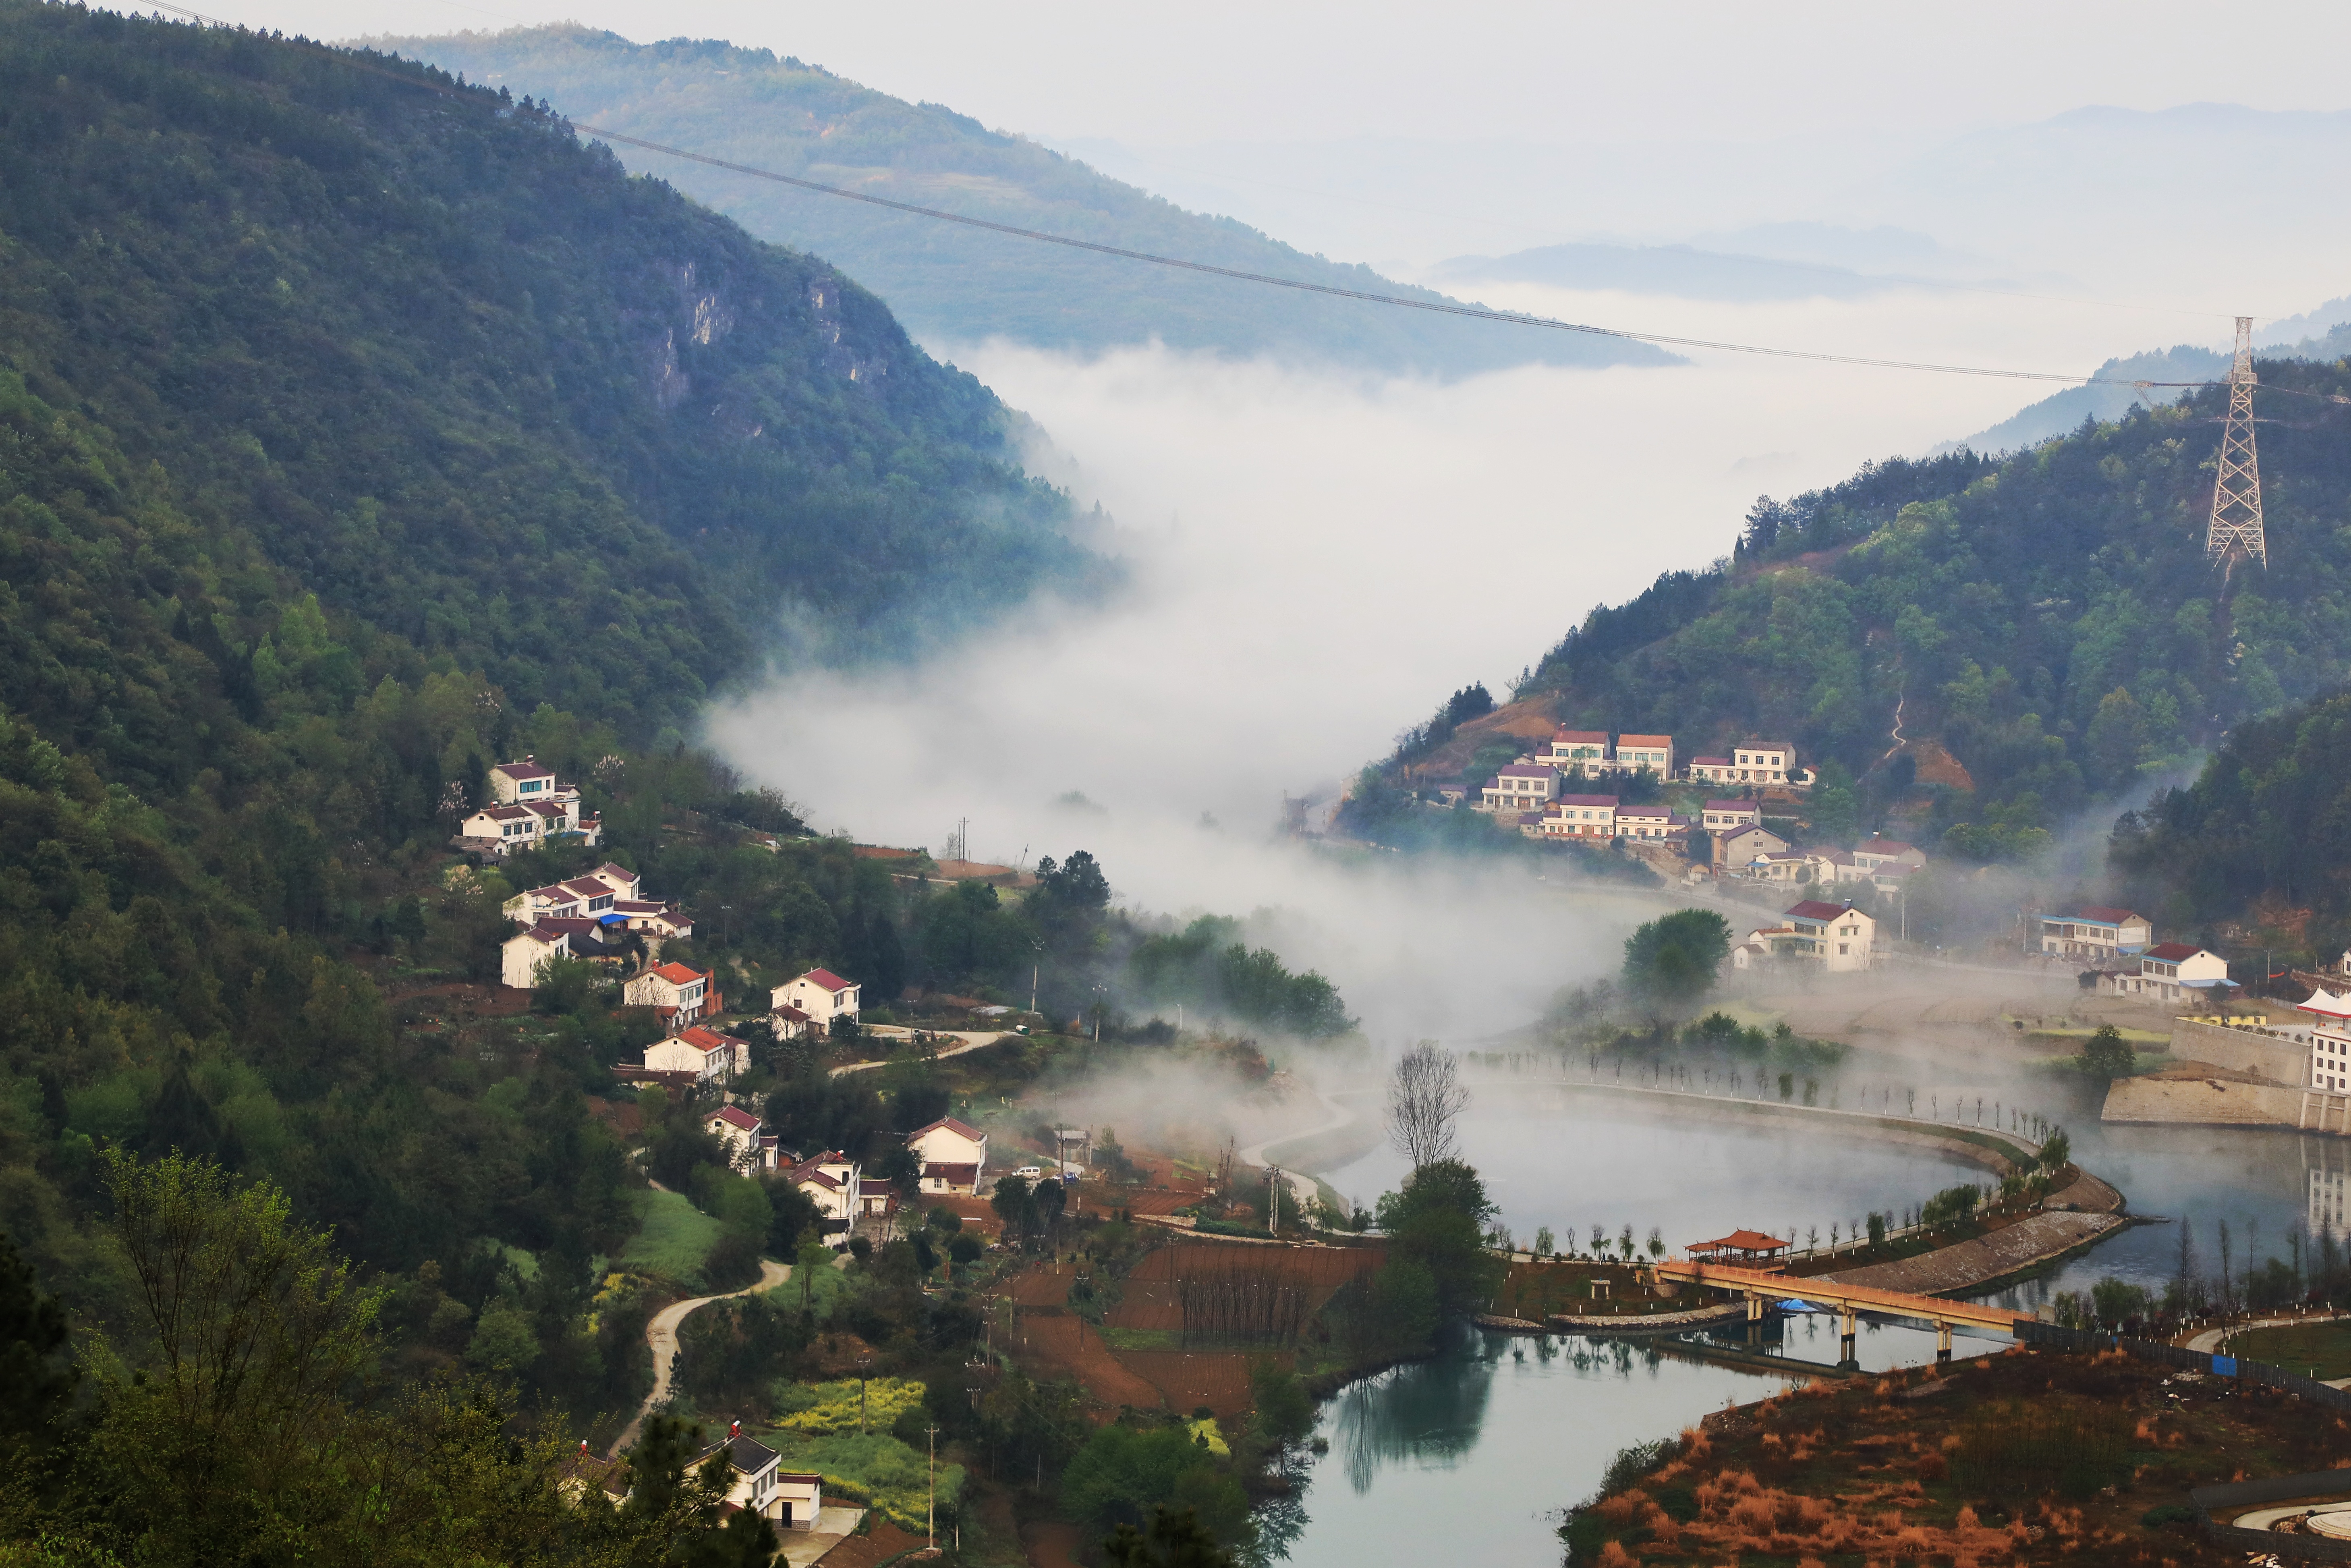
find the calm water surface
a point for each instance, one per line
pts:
(1469, 1457)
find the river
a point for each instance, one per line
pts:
(1468, 1458)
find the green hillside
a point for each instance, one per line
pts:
(2048, 620)
(353, 437)
(957, 285)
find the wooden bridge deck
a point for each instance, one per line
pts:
(1829, 1292)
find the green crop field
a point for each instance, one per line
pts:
(672, 1236)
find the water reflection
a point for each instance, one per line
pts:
(1468, 1458)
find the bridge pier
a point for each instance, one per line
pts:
(1942, 1344)
(1846, 1332)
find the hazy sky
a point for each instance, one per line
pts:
(1216, 70)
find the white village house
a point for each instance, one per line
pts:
(749, 1146)
(1578, 753)
(808, 1004)
(1523, 786)
(1579, 817)
(1653, 752)
(830, 1181)
(2095, 932)
(709, 1055)
(1650, 822)
(953, 1154)
(524, 958)
(1838, 937)
(2171, 973)
(1750, 762)
(1723, 814)
(680, 994)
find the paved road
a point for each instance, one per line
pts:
(970, 1042)
(1302, 1186)
(2210, 1339)
(661, 1336)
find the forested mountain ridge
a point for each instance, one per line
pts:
(353, 437)
(960, 284)
(433, 361)
(2050, 619)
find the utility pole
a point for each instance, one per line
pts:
(2236, 529)
(933, 1529)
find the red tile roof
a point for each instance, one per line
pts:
(951, 1170)
(703, 1038)
(1715, 761)
(679, 975)
(736, 1116)
(1742, 1240)
(1813, 909)
(827, 979)
(1750, 807)
(1582, 737)
(1607, 801)
(961, 1129)
(1646, 742)
(2171, 952)
(503, 813)
(1526, 770)
(588, 887)
(608, 869)
(525, 770)
(2104, 915)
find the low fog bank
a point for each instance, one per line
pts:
(1314, 561)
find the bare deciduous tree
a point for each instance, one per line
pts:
(1425, 1095)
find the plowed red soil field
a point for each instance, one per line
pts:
(1149, 1300)
(1189, 1379)
(1050, 1345)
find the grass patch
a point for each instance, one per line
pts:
(1141, 1338)
(2316, 1350)
(673, 1237)
(876, 1468)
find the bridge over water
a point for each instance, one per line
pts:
(1763, 1287)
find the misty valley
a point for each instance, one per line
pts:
(752, 822)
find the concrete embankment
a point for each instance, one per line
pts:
(2224, 1076)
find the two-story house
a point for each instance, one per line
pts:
(1737, 847)
(749, 1147)
(2095, 933)
(1750, 762)
(1578, 753)
(953, 1154)
(710, 1056)
(524, 958)
(757, 1482)
(679, 993)
(1841, 937)
(817, 998)
(831, 1180)
(1653, 752)
(1718, 814)
(1650, 824)
(1878, 851)
(2169, 973)
(1579, 817)
(1523, 786)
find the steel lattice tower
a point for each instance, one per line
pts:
(2236, 531)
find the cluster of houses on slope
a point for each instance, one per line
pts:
(530, 807)
(2117, 945)
(592, 916)
(952, 1157)
(1587, 754)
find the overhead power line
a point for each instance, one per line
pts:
(1438, 307)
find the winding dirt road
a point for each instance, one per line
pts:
(661, 1336)
(972, 1041)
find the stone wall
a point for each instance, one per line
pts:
(2202, 1102)
(2247, 1050)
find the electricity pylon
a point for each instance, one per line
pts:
(2236, 531)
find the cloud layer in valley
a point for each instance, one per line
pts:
(1315, 562)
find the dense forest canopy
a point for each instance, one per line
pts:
(352, 438)
(2049, 619)
(959, 284)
